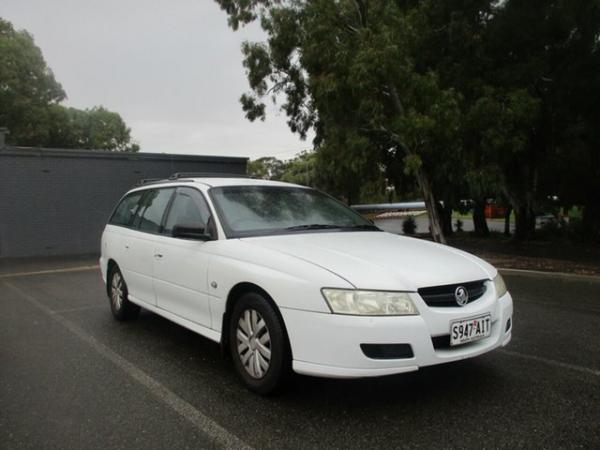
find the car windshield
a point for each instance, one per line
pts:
(262, 210)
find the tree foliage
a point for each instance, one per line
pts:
(348, 70)
(94, 128)
(467, 98)
(267, 168)
(27, 85)
(301, 169)
(30, 105)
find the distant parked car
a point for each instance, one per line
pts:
(545, 220)
(287, 278)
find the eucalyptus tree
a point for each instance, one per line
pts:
(267, 168)
(540, 87)
(347, 69)
(528, 75)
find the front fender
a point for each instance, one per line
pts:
(291, 282)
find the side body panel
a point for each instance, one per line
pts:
(134, 253)
(291, 282)
(180, 278)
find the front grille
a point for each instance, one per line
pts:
(443, 296)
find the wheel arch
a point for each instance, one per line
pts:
(110, 266)
(237, 292)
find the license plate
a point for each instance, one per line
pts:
(469, 330)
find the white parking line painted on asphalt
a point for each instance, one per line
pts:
(43, 272)
(219, 435)
(79, 308)
(552, 362)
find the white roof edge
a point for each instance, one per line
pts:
(215, 182)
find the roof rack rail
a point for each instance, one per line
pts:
(179, 175)
(149, 181)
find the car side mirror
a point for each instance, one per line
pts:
(195, 231)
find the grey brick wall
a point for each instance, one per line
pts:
(56, 202)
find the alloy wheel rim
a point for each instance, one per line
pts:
(117, 291)
(253, 343)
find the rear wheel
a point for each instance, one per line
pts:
(120, 305)
(258, 344)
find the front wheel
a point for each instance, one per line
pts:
(259, 345)
(120, 305)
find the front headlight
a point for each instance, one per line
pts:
(500, 286)
(369, 303)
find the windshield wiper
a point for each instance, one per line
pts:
(324, 226)
(313, 226)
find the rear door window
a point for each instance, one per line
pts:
(126, 209)
(152, 209)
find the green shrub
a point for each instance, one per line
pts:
(409, 226)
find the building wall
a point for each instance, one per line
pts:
(56, 202)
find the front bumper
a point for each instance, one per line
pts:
(103, 268)
(328, 345)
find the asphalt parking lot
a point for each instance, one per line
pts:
(72, 377)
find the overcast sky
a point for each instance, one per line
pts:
(171, 68)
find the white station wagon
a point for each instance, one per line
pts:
(287, 278)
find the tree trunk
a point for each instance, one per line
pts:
(523, 207)
(524, 222)
(591, 220)
(507, 220)
(422, 179)
(479, 222)
(431, 204)
(349, 198)
(445, 213)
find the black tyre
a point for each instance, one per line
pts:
(259, 345)
(120, 305)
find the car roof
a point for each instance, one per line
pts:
(227, 181)
(214, 182)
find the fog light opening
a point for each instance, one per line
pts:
(387, 351)
(508, 325)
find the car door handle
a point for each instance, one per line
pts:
(158, 255)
